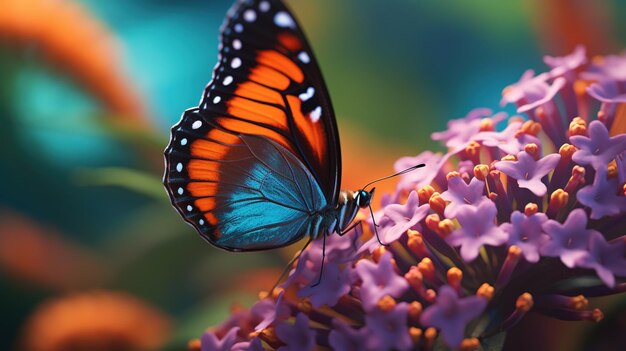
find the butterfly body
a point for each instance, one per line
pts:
(257, 164)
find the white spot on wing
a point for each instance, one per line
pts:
(201, 222)
(308, 94)
(238, 28)
(196, 125)
(180, 191)
(316, 114)
(282, 19)
(183, 141)
(249, 15)
(264, 6)
(179, 167)
(235, 63)
(217, 99)
(189, 208)
(236, 44)
(304, 57)
(227, 80)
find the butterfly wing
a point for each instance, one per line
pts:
(252, 164)
(267, 82)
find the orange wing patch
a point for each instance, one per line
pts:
(315, 135)
(289, 41)
(269, 77)
(281, 63)
(257, 112)
(252, 90)
(203, 170)
(202, 189)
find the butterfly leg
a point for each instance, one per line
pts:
(347, 230)
(376, 227)
(319, 280)
(289, 265)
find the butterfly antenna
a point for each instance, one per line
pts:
(412, 168)
(289, 265)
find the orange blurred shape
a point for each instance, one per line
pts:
(45, 259)
(256, 280)
(96, 321)
(366, 158)
(564, 24)
(619, 124)
(70, 38)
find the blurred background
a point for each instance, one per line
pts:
(90, 248)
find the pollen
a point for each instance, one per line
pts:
(470, 344)
(416, 335)
(524, 302)
(427, 268)
(486, 125)
(558, 199)
(415, 310)
(533, 150)
(566, 151)
(481, 171)
(485, 291)
(454, 276)
(425, 193)
(531, 128)
(437, 203)
(577, 126)
(386, 303)
(530, 209)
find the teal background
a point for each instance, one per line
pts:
(396, 70)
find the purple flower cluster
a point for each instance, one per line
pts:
(510, 219)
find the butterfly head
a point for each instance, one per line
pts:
(363, 197)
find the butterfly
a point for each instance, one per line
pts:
(257, 164)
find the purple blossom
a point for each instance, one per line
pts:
(607, 91)
(608, 259)
(461, 194)
(352, 308)
(306, 270)
(477, 229)
(388, 329)
(566, 65)
(379, 280)
(507, 140)
(267, 311)
(297, 336)
(611, 67)
(541, 93)
(516, 92)
(525, 232)
(531, 92)
(602, 196)
(338, 248)
(599, 148)
(434, 163)
(334, 284)
(450, 314)
(461, 131)
(402, 218)
(620, 162)
(529, 172)
(210, 342)
(252, 345)
(568, 240)
(344, 337)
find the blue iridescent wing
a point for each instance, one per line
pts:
(241, 192)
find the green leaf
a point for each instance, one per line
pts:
(137, 181)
